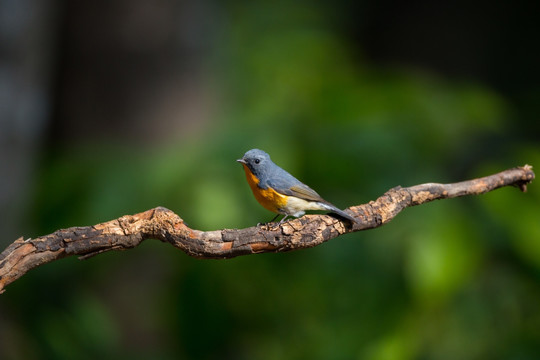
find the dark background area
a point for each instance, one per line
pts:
(114, 107)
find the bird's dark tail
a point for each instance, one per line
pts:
(339, 212)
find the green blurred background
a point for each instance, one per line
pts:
(114, 107)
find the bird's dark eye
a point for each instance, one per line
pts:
(257, 161)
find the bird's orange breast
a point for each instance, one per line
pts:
(268, 198)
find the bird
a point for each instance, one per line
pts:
(280, 192)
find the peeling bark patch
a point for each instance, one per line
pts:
(421, 197)
(262, 247)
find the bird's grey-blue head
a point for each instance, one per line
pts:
(257, 161)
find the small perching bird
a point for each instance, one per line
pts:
(280, 192)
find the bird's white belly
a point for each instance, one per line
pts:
(297, 207)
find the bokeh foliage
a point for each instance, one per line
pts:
(456, 279)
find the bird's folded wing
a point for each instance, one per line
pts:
(299, 190)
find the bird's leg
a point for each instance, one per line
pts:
(278, 224)
(271, 221)
(268, 223)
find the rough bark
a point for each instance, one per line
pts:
(160, 223)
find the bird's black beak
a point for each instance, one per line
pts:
(242, 161)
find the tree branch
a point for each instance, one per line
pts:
(129, 231)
